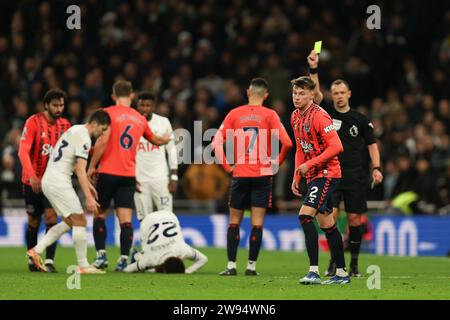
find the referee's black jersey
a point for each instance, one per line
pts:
(356, 133)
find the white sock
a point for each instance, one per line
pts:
(80, 242)
(231, 265)
(251, 265)
(341, 272)
(101, 251)
(48, 261)
(314, 269)
(51, 236)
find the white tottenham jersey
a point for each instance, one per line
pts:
(151, 160)
(161, 238)
(74, 143)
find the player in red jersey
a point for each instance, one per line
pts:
(115, 154)
(40, 134)
(317, 148)
(250, 128)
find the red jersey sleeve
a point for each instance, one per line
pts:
(299, 155)
(282, 135)
(220, 138)
(148, 133)
(26, 142)
(323, 125)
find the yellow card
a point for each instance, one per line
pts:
(318, 46)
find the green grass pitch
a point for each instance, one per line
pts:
(401, 278)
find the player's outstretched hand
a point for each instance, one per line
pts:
(313, 59)
(35, 184)
(294, 188)
(92, 205)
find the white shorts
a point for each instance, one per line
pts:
(63, 199)
(156, 192)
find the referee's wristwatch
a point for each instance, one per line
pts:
(174, 177)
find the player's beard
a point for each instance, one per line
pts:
(54, 116)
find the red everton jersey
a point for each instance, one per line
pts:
(317, 143)
(39, 136)
(127, 127)
(251, 129)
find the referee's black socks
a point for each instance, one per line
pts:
(233, 238)
(354, 239)
(99, 233)
(334, 238)
(311, 239)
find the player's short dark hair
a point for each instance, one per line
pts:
(54, 94)
(259, 83)
(101, 117)
(172, 265)
(122, 88)
(340, 81)
(304, 82)
(146, 95)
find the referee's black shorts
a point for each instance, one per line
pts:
(354, 197)
(119, 188)
(248, 192)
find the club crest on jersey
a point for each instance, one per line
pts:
(354, 131)
(43, 134)
(307, 147)
(85, 147)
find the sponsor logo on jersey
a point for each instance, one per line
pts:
(354, 131)
(46, 149)
(146, 147)
(329, 128)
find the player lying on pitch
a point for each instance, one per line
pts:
(163, 246)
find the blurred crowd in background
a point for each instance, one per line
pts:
(198, 57)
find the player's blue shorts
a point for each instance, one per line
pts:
(119, 188)
(318, 194)
(247, 192)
